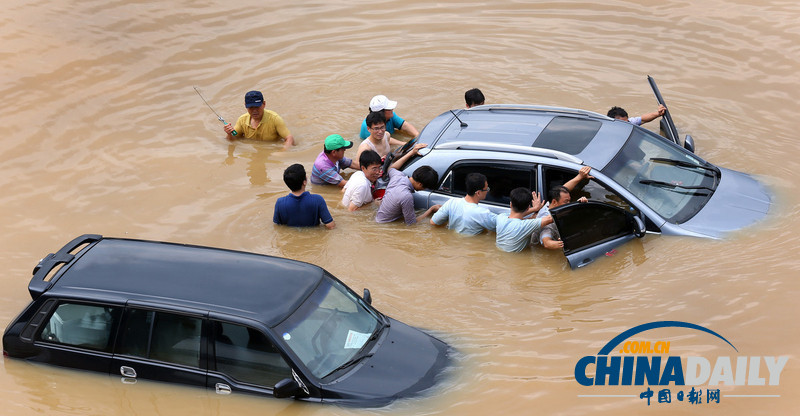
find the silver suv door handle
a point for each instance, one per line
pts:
(127, 371)
(222, 388)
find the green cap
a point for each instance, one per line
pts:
(335, 142)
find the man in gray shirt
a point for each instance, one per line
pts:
(398, 202)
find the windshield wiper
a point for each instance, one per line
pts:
(383, 325)
(672, 185)
(685, 164)
(383, 319)
(349, 363)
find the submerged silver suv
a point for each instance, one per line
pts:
(643, 182)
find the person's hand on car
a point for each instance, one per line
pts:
(584, 172)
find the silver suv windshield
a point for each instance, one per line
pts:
(329, 330)
(674, 183)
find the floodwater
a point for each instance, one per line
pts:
(103, 133)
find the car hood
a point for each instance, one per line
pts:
(405, 362)
(739, 201)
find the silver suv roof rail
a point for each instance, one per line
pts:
(565, 110)
(511, 148)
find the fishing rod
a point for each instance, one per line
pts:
(233, 133)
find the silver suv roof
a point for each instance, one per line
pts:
(578, 136)
(510, 148)
(549, 109)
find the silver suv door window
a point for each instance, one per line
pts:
(502, 177)
(592, 189)
(586, 225)
(589, 230)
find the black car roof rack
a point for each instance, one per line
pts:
(38, 284)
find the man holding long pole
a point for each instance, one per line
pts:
(259, 123)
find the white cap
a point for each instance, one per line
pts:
(380, 102)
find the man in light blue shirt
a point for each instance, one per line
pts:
(464, 214)
(513, 230)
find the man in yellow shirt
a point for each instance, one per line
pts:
(258, 123)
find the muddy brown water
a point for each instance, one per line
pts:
(102, 133)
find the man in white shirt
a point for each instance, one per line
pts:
(358, 190)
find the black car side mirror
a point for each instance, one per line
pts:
(688, 143)
(286, 388)
(367, 296)
(639, 229)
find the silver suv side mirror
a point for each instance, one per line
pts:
(688, 143)
(639, 229)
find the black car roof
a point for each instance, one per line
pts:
(259, 287)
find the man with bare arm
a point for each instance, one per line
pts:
(548, 235)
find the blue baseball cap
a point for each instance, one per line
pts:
(253, 99)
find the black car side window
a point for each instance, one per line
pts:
(162, 336)
(246, 355)
(135, 338)
(176, 339)
(80, 325)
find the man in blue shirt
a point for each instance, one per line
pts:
(513, 230)
(464, 214)
(380, 103)
(300, 208)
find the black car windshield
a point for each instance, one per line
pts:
(329, 329)
(672, 182)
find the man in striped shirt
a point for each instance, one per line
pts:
(331, 160)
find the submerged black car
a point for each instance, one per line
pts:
(234, 321)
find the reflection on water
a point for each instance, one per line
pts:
(257, 162)
(104, 134)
